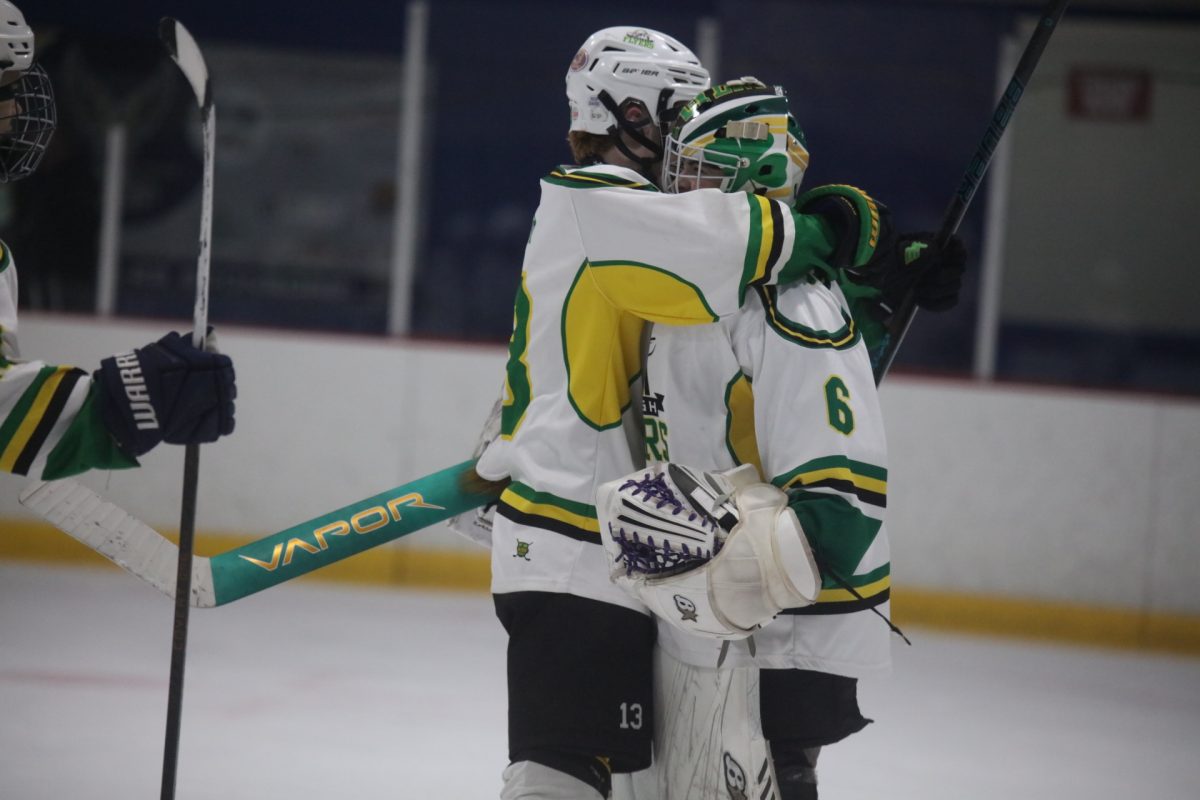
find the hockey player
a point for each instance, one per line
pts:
(783, 390)
(608, 253)
(57, 420)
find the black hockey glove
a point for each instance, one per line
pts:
(166, 391)
(915, 263)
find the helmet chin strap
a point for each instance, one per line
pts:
(645, 163)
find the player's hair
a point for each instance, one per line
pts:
(587, 147)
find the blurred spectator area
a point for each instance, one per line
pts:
(1097, 282)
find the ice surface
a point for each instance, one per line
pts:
(312, 690)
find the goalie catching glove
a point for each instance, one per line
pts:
(716, 554)
(166, 391)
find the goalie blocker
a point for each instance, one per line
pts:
(716, 554)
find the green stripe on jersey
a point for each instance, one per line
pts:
(839, 534)
(545, 498)
(866, 482)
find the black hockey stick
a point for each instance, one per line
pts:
(187, 56)
(957, 208)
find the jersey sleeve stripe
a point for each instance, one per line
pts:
(49, 418)
(866, 482)
(777, 234)
(758, 245)
(35, 406)
(584, 180)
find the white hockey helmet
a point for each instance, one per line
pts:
(16, 39)
(624, 77)
(738, 136)
(27, 114)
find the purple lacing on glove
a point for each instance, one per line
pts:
(646, 557)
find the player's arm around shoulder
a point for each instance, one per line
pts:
(692, 258)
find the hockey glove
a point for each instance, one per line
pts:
(934, 274)
(166, 391)
(714, 554)
(862, 226)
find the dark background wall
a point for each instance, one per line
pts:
(893, 97)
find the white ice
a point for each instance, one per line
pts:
(312, 690)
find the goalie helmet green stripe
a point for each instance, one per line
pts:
(737, 136)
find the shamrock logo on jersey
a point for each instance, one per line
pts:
(687, 608)
(523, 550)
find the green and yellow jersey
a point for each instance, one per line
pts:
(49, 427)
(607, 254)
(787, 385)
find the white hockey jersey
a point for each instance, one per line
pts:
(47, 425)
(607, 253)
(786, 385)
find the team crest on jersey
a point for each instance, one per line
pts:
(735, 777)
(523, 550)
(686, 607)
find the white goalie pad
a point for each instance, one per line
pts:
(708, 739)
(716, 554)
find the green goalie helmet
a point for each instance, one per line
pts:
(737, 136)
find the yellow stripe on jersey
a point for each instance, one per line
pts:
(31, 420)
(866, 592)
(564, 178)
(767, 238)
(550, 511)
(739, 423)
(840, 474)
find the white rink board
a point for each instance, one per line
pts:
(1046, 494)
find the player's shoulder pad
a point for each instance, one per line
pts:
(864, 209)
(599, 176)
(809, 314)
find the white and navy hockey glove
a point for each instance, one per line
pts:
(168, 391)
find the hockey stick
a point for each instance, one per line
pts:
(266, 562)
(957, 208)
(187, 56)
